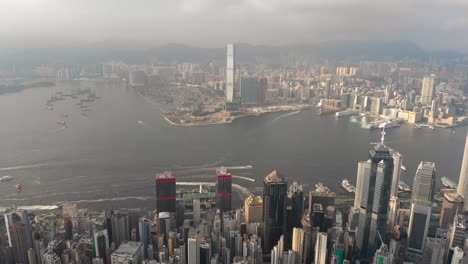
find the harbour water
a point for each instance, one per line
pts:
(108, 157)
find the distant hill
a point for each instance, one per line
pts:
(245, 53)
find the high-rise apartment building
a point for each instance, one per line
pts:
(428, 89)
(274, 209)
(165, 192)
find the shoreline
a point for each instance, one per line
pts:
(207, 123)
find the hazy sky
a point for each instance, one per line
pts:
(440, 24)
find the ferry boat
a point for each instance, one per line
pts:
(348, 186)
(320, 187)
(19, 187)
(403, 167)
(346, 113)
(403, 187)
(388, 125)
(447, 182)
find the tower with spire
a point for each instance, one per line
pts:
(373, 192)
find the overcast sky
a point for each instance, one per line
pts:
(433, 24)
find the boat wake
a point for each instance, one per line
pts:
(140, 198)
(29, 166)
(285, 115)
(32, 207)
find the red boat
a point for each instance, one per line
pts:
(19, 186)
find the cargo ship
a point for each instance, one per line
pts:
(449, 183)
(348, 186)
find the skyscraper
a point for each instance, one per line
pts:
(19, 245)
(321, 249)
(298, 244)
(145, 234)
(253, 207)
(373, 188)
(394, 201)
(101, 244)
(419, 225)
(274, 209)
(453, 203)
(463, 180)
(230, 73)
(223, 190)
(165, 192)
(296, 196)
(428, 89)
(424, 182)
(434, 251)
(253, 90)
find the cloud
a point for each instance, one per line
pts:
(430, 23)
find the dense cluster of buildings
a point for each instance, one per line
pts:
(283, 225)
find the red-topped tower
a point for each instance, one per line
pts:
(223, 189)
(165, 192)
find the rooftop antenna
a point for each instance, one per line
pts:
(382, 139)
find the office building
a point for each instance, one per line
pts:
(457, 257)
(463, 180)
(253, 207)
(165, 192)
(428, 89)
(298, 244)
(296, 198)
(419, 225)
(101, 245)
(321, 249)
(18, 235)
(223, 190)
(193, 252)
(376, 106)
(253, 90)
(382, 255)
(128, 252)
(456, 232)
(424, 183)
(434, 251)
(452, 203)
(145, 234)
(230, 73)
(274, 209)
(323, 198)
(196, 212)
(120, 228)
(373, 189)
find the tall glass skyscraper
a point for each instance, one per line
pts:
(275, 190)
(373, 188)
(223, 190)
(165, 192)
(424, 182)
(230, 73)
(463, 180)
